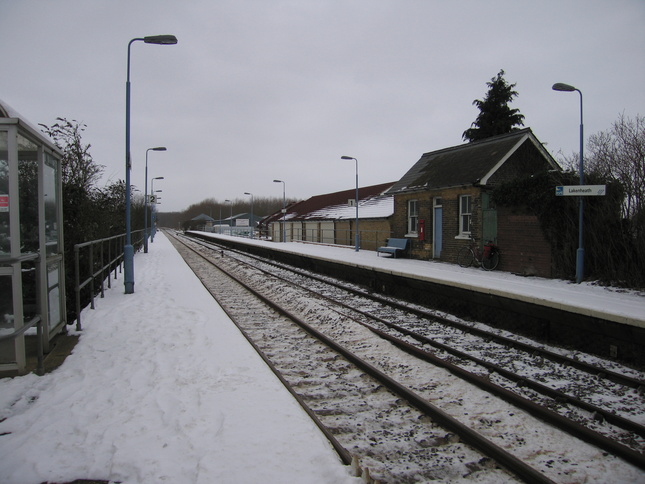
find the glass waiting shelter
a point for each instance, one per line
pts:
(32, 272)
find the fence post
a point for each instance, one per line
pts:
(109, 279)
(92, 275)
(102, 270)
(77, 288)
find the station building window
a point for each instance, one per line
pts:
(465, 215)
(413, 217)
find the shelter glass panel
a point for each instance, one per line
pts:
(7, 348)
(5, 234)
(28, 181)
(29, 289)
(50, 184)
(6, 305)
(53, 293)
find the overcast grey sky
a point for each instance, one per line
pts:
(264, 89)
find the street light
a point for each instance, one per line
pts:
(145, 204)
(356, 228)
(284, 209)
(152, 183)
(153, 229)
(580, 254)
(252, 222)
(219, 226)
(230, 220)
(128, 250)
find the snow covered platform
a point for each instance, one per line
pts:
(606, 321)
(161, 387)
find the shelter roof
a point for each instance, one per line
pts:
(9, 115)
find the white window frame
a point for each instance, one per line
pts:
(413, 217)
(465, 216)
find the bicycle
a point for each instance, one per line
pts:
(470, 254)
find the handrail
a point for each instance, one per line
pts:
(36, 320)
(102, 272)
(21, 258)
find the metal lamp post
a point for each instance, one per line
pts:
(152, 184)
(284, 209)
(128, 250)
(252, 222)
(356, 228)
(145, 201)
(152, 224)
(230, 220)
(580, 254)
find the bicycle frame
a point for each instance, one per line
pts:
(470, 254)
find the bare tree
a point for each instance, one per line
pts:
(79, 169)
(619, 154)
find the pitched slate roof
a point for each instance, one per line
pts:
(373, 203)
(203, 217)
(466, 164)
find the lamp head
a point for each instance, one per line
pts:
(159, 148)
(559, 86)
(347, 158)
(278, 181)
(158, 178)
(160, 39)
(247, 193)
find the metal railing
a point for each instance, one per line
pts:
(102, 256)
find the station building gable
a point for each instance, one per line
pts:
(444, 199)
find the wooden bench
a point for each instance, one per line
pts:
(394, 247)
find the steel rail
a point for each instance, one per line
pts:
(560, 396)
(343, 453)
(568, 425)
(536, 350)
(516, 466)
(537, 410)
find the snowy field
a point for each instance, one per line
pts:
(162, 387)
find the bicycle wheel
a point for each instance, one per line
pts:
(465, 257)
(490, 263)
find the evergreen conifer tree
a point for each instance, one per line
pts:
(495, 116)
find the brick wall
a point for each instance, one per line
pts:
(524, 250)
(450, 204)
(373, 233)
(523, 247)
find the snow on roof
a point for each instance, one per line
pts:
(373, 207)
(7, 112)
(202, 216)
(373, 203)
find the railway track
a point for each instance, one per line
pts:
(570, 387)
(471, 453)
